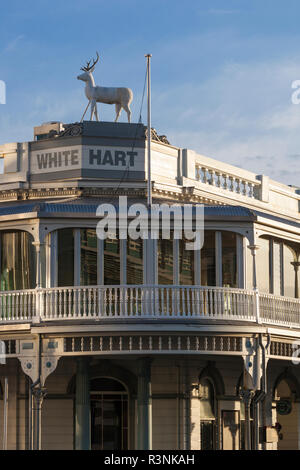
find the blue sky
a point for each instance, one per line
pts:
(221, 71)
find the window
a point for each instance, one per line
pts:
(208, 259)
(135, 268)
(207, 414)
(18, 261)
(111, 261)
(88, 257)
(165, 261)
(186, 264)
(65, 261)
(289, 272)
(229, 264)
(109, 415)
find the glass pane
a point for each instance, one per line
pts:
(18, 261)
(88, 257)
(111, 262)
(277, 260)
(207, 399)
(206, 411)
(207, 435)
(289, 272)
(135, 261)
(208, 260)
(186, 264)
(262, 265)
(65, 261)
(165, 261)
(229, 268)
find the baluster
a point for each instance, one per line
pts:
(212, 178)
(70, 302)
(244, 187)
(64, 303)
(24, 304)
(84, 303)
(250, 190)
(167, 311)
(225, 182)
(120, 301)
(218, 175)
(110, 300)
(161, 297)
(231, 183)
(193, 297)
(18, 313)
(60, 305)
(55, 304)
(89, 303)
(99, 301)
(205, 171)
(238, 185)
(183, 301)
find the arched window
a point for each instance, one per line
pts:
(287, 412)
(109, 414)
(207, 414)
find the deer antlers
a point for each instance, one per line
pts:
(89, 67)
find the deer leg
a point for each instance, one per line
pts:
(118, 111)
(93, 104)
(127, 109)
(96, 112)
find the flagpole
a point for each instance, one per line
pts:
(149, 195)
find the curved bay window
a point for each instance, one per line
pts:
(275, 264)
(18, 261)
(84, 260)
(207, 414)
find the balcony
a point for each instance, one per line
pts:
(141, 302)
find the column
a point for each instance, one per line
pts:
(39, 295)
(77, 259)
(38, 395)
(82, 413)
(246, 396)
(296, 265)
(253, 249)
(240, 261)
(219, 282)
(144, 405)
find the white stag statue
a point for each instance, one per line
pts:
(121, 97)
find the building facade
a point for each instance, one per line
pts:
(141, 343)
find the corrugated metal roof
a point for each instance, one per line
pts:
(74, 207)
(77, 208)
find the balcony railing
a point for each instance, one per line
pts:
(147, 302)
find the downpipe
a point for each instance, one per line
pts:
(259, 399)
